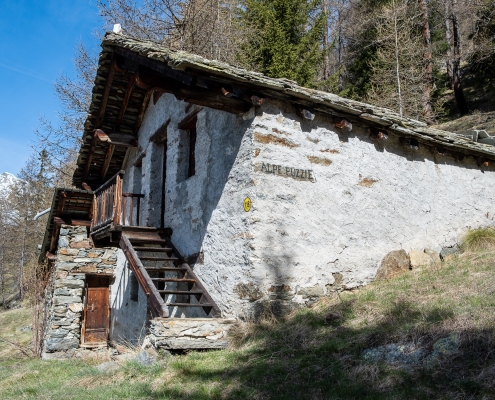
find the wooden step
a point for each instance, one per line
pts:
(146, 258)
(165, 269)
(186, 292)
(173, 280)
(189, 305)
(153, 240)
(153, 249)
(129, 228)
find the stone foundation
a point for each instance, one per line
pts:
(189, 333)
(65, 292)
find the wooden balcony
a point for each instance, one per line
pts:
(112, 209)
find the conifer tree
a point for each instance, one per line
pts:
(285, 38)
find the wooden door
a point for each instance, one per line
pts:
(96, 312)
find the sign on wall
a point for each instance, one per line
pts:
(299, 174)
(247, 204)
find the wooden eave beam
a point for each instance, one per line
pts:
(116, 138)
(61, 203)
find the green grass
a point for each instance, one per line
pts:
(315, 353)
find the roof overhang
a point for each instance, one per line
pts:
(130, 71)
(70, 207)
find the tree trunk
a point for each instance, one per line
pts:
(397, 67)
(448, 39)
(428, 64)
(325, 42)
(456, 70)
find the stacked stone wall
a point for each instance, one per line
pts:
(64, 296)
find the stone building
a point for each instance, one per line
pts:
(210, 193)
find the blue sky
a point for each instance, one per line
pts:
(37, 42)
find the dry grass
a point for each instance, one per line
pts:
(479, 240)
(15, 335)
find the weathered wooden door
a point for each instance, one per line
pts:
(96, 312)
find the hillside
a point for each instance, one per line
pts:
(427, 334)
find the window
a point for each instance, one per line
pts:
(187, 147)
(134, 287)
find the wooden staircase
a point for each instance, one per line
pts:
(166, 279)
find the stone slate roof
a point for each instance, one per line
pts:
(186, 65)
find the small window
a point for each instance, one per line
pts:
(187, 147)
(134, 287)
(191, 170)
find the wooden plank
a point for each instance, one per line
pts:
(106, 164)
(125, 102)
(116, 138)
(199, 285)
(190, 119)
(96, 315)
(146, 258)
(70, 221)
(173, 280)
(181, 292)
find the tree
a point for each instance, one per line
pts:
(428, 63)
(203, 27)
(396, 79)
(285, 38)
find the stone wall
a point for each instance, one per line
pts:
(64, 294)
(327, 205)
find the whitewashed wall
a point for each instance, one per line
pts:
(356, 201)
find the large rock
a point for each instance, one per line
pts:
(66, 299)
(393, 263)
(107, 367)
(419, 259)
(70, 283)
(447, 251)
(312, 291)
(59, 344)
(434, 255)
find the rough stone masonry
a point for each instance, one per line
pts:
(65, 292)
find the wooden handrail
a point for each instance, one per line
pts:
(158, 306)
(110, 205)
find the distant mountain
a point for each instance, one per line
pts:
(7, 181)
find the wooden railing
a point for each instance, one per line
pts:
(111, 207)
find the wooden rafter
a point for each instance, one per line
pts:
(106, 164)
(125, 102)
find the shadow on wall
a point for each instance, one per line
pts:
(188, 235)
(129, 314)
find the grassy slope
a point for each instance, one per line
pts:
(316, 353)
(479, 96)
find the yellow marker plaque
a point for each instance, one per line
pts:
(247, 204)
